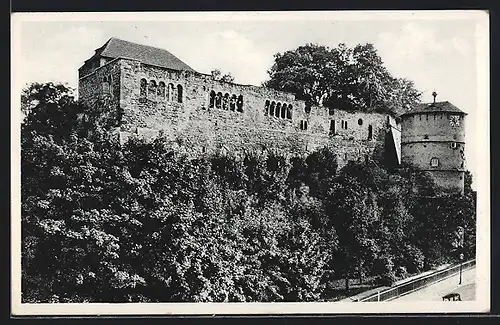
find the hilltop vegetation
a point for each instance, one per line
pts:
(342, 77)
(105, 223)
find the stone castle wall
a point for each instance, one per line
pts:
(245, 123)
(91, 85)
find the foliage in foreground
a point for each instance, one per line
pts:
(141, 222)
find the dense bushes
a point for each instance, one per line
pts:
(142, 222)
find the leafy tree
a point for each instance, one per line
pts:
(143, 222)
(402, 95)
(341, 77)
(43, 93)
(352, 214)
(303, 72)
(50, 109)
(218, 76)
(321, 171)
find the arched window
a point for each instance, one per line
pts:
(179, 93)
(161, 90)
(283, 111)
(370, 132)
(152, 89)
(278, 110)
(218, 100)
(307, 107)
(232, 104)
(212, 99)
(434, 162)
(239, 103)
(105, 86)
(266, 107)
(289, 112)
(225, 102)
(170, 91)
(271, 109)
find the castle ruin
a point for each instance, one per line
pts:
(156, 93)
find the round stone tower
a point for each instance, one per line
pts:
(433, 139)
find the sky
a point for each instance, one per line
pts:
(443, 51)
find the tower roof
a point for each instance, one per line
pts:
(435, 107)
(115, 48)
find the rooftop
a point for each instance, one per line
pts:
(115, 48)
(435, 107)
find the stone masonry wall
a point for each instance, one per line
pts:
(454, 181)
(429, 135)
(90, 87)
(195, 125)
(419, 154)
(436, 126)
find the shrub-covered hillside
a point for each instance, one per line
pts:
(140, 222)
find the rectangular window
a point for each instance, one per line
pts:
(332, 127)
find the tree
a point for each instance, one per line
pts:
(142, 222)
(43, 93)
(321, 171)
(303, 71)
(352, 212)
(71, 242)
(402, 95)
(341, 77)
(218, 76)
(49, 109)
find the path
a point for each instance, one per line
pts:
(467, 289)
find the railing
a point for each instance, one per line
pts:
(413, 285)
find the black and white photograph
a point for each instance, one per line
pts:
(291, 162)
